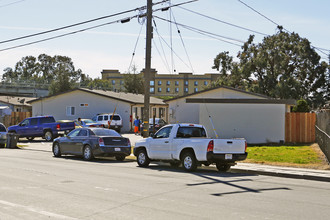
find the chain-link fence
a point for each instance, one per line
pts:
(323, 139)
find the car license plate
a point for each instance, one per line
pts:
(117, 149)
(228, 156)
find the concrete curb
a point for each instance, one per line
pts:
(282, 174)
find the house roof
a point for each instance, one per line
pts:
(215, 88)
(18, 101)
(126, 97)
(243, 101)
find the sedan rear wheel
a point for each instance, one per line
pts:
(88, 154)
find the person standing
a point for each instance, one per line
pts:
(137, 125)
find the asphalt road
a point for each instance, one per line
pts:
(35, 185)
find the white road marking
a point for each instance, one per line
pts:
(35, 210)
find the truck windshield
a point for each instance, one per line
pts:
(188, 132)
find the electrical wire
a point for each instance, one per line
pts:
(62, 35)
(161, 57)
(133, 54)
(12, 3)
(93, 27)
(183, 44)
(224, 22)
(205, 32)
(169, 46)
(160, 42)
(278, 26)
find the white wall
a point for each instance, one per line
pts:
(257, 123)
(56, 106)
(189, 112)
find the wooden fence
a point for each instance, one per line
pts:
(300, 127)
(15, 118)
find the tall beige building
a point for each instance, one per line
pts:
(165, 84)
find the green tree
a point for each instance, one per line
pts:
(285, 66)
(230, 74)
(302, 106)
(100, 84)
(44, 70)
(133, 82)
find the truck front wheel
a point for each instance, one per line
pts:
(223, 167)
(142, 158)
(189, 162)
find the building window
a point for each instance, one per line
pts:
(168, 83)
(159, 82)
(121, 82)
(83, 105)
(152, 83)
(196, 83)
(152, 90)
(186, 90)
(159, 89)
(186, 82)
(168, 89)
(176, 90)
(113, 82)
(205, 83)
(70, 111)
(195, 89)
(176, 83)
(161, 112)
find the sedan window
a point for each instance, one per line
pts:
(82, 133)
(74, 133)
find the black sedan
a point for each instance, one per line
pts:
(90, 142)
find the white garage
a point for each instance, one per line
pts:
(235, 114)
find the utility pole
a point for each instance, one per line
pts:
(147, 71)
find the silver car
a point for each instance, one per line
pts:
(3, 135)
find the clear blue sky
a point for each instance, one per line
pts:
(111, 46)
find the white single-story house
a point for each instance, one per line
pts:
(234, 113)
(87, 103)
(16, 103)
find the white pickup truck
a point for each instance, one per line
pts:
(188, 144)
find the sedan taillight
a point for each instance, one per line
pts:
(101, 142)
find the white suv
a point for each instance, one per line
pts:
(105, 118)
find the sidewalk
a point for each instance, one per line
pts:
(289, 172)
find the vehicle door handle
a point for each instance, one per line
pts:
(229, 142)
(166, 142)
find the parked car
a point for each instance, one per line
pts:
(107, 118)
(87, 123)
(187, 144)
(42, 126)
(91, 142)
(159, 122)
(3, 135)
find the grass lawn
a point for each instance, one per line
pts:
(297, 156)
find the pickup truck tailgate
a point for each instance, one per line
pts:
(232, 146)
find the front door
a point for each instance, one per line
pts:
(160, 145)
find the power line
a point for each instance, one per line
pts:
(201, 31)
(278, 26)
(224, 22)
(62, 35)
(12, 3)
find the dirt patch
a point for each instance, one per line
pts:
(323, 165)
